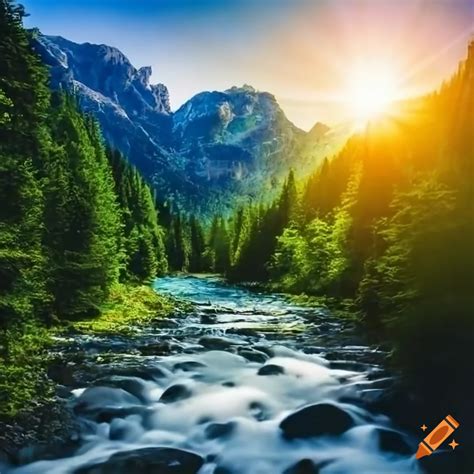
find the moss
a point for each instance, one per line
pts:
(23, 366)
(128, 308)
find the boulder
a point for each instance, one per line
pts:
(132, 385)
(304, 466)
(253, 356)
(222, 470)
(208, 318)
(188, 365)
(216, 343)
(320, 419)
(271, 369)
(105, 403)
(220, 430)
(175, 393)
(140, 461)
(393, 441)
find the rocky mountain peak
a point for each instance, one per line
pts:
(144, 74)
(237, 141)
(104, 70)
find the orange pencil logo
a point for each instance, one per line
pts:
(437, 436)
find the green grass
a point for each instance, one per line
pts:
(128, 308)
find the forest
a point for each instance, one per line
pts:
(384, 229)
(75, 220)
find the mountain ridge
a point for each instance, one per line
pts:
(218, 144)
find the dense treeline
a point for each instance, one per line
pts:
(239, 246)
(388, 223)
(75, 219)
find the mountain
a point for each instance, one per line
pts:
(217, 149)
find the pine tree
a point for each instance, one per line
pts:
(23, 104)
(198, 248)
(143, 240)
(83, 227)
(177, 245)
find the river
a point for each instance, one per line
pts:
(247, 383)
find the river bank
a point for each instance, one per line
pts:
(33, 408)
(218, 385)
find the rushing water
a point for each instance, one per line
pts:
(224, 382)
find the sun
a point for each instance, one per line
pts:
(371, 89)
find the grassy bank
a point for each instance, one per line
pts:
(128, 308)
(24, 353)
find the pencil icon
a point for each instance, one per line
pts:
(437, 436)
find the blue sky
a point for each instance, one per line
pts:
(300, 50)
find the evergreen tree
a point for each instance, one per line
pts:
(198, 247)
(23, 104)
(83, 227)
(143, 240)
(177, 244)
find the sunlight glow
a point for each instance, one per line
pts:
(371, 89)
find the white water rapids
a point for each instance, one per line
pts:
(210, 396)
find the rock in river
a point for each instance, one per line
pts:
(305, 466)
(139, 461)
(316, 420)
(175, 393)
(271, 369)
(217, 343)
(220, 430)
(393, 441)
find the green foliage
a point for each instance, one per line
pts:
(197, 262)
(23, 367)
(177, 244)
(71, 220)
(82, 219)
(128, 308)
(23, 94)
(143, 238)
(420, 287)
(387, 223)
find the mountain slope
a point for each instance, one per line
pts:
(217, 149)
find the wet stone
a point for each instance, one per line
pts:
(216, 343)
(253, 356)
(106, 415)
(271, 369)
(97, 398)
(188, 365)
(139, 461)
(132, 385)
(242, 331)
(159, 348)
(175, 393)
(305, 466)
(208, 319)
(220, 430)
(392, 441)
(222, 470)
(316, 420)
(122, 430)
